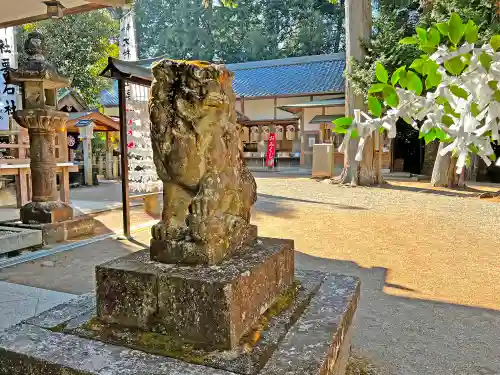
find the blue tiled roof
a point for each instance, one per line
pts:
(290, 76)
(109, 97)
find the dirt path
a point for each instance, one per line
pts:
(428, 260)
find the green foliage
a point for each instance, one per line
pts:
(254, 30)
(394, 45)
(79, 46)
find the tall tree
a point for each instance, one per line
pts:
(254, 30)
(78, 46)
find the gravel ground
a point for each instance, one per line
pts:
(428, 261)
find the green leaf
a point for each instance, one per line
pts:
(474, 109)
(458, 91)
(454, 66)
(430, 136)
(495, 42)
(493, 85)
(433, 37)
(473, 149)
(429, 67)
(428, 48)
(440, 134)
(471, 32)
(354, 133)
(414, 83)
(485, 61)
(447, 120)
(343, 121)
(441, 100)
(492, 157)
(443, 28)
(391, 97)
(381, 73)
(374, 106)
(422, 34)
(409, 40)
(397, 75)
(496, 95)
(417, 65)
(455, 28)
(433, 80)
(448, 109)
(377, 87)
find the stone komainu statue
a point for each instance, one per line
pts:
(208, 190)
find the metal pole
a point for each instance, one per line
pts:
(124, 157)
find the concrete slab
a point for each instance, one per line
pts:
(20, 302)
(12, 239)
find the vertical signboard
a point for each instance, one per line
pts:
(7, 61)
(271, 150)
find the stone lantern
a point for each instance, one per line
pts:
(39, 82)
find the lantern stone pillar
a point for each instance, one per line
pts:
(39, 82)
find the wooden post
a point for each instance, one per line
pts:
(64, 185)
(22, 194)
(124, 156)
(109, 157)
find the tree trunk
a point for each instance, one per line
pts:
(358, 21)
(441, 167)
(444, 172)
(340, 20)
(430, 153)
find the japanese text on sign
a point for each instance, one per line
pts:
(7, 92)
(271, 150)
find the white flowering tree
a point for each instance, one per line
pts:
(451, 92)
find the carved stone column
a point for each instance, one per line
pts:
(40, 82)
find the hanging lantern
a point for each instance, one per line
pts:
(54, 9)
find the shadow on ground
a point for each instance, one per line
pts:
(450, 192)
(406, 336)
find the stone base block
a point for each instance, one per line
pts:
(46, 212)
(210, 306)
(186, 252)
(58, 232)
(305, 334)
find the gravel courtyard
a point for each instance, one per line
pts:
(429, 264)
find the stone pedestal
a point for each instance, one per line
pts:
(212, 306)
(306, 332)
(45, 207)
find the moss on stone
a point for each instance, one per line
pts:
(284, 301)
(154, 343)
(59, 327)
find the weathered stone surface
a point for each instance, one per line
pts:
(18, 238)
(310, 337)
(31, 350)
(39, 82)
(314, 344)
(252, 352)
(208, 190)
(200, 253)
(210, 305)
(62, 231)
(59, 315)
(46, 212)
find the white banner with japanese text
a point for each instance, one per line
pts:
(7, 92)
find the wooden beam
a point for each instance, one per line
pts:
(243, 105)
(66, 12)
(122, 102)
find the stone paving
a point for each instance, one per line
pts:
(428, 261)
